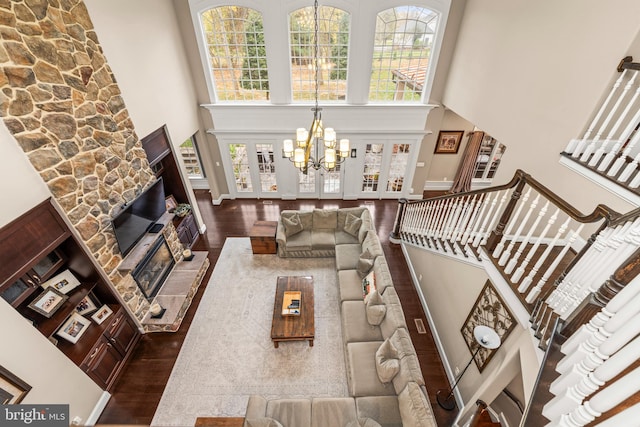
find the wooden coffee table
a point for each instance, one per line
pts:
(299, 327)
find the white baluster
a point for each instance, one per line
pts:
(601, 402)
(635, 182)
(494, 219)
(631, 167)
(616, 303)
(605, 124)
(464, 218)
(569, 398)
(633, 123)
(516, 257)
(603, 147)
(529, 279)
(533, 294)
(575, 147)
(514, 219)
(628, 417)
(474, 221)
(479, 235)
(507, 253)
(621, 160)
(453, 218)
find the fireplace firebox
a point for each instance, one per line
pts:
(154, 268)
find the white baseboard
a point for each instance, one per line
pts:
(97, 410)
(220, 198)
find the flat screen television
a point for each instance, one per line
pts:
(138, 216)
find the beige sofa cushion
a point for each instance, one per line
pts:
(262, 422)
(363, 422)
(300, 241)
(355, 327)
(290, 412)
(350, 285)
(367, 225)
(292, 225)
(332, 411)
(361, 370)
(415, 409)
(383, 409)
(394, 317)
(323, 239)
(352, 225)
(375, 308)
(372, 244)
(343, 212)
(347, 256)
(383, 275)
(344, 238)
(325, 218)
(387, 362)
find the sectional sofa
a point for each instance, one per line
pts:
(385, 382)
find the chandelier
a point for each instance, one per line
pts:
(317, 136)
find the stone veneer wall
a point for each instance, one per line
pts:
(62, 104)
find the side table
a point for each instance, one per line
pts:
(263, 237)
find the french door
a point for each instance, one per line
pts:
(255, 170)
(386, 168)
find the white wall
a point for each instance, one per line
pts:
(531, 73)
(450, 289)
(25, 351)
(143, 45)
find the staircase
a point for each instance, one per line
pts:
(572, 289)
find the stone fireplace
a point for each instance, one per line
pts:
(154, 268)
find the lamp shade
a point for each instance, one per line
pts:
(330, 158)
(486, 337)
(329, 137)
(301, 137)
(344, 147)
(298, 158)
(288, 147)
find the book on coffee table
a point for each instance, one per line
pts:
(291, 303)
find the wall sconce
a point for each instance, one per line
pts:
(353, 153)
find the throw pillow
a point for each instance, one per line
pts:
(262, 422)
(363, 422)
(352, 224)
(292, 225)
(365, 263)
(387, 362)
(375, 308)
(415, 409)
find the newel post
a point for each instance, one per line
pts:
(394, 237)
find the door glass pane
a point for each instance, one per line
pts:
(13, 292)
(240, 161)
(267, 168)
(307, 182)
(372, 165)
(398, 167)
(332, 181)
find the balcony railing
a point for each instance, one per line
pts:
(584, 299)
(609, 146)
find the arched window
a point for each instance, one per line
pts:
(402, 49)
(333, 43)
(234, 41)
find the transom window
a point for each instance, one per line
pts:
(333, 43)
(402, 48)
(234, 41)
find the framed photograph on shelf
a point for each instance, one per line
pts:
(73, 328)
(63, 282)
(448, 141)
(102, 314)
(171, 203)
(12, 388)
(48, 302)
(86, 306)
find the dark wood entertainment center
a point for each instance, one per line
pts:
(36, 247)
(157, 145)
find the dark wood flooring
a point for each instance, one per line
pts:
(137, 393)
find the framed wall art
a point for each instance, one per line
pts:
(63, 282)
(488, 310)
(86, 305)
(171, 203)
(102, 314)
(12, 388)
(73, 328)
(448, 141)
(48, 302)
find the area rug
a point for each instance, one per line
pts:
(228, 354)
